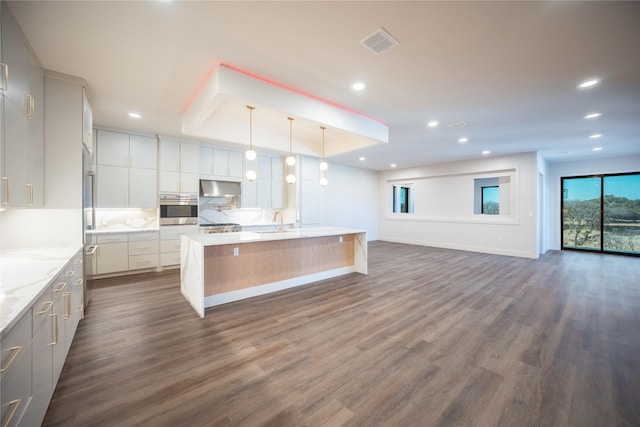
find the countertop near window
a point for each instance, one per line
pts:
(24, 275)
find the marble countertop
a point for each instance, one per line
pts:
(122, 230)
(24, 275)
(255, 236)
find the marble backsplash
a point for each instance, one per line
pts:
(126, 219)
(246, 216)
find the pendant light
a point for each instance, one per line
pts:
(250, 155)
(291, 160)
(323, 165)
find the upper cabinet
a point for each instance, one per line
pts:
(216, 163)
(127, 173)
(87, 122)
(267, 191)
(23, 119)
(179, 166)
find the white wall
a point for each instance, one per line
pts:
(351, 199)
(444, 208)
(568, 169)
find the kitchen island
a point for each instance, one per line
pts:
(220, 268)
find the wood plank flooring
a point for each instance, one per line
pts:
(431, 337)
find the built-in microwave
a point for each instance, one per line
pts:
(178, 209)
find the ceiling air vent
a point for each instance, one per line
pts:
(457, 124)
(379, 41)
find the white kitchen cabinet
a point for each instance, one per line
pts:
(42, 382)
(127, 171)
(35, 348)
(15, 377)
(23, 124)
(310, 191)
(112, 255)
(112, 186)
(278, 183)
(87, 122)
(143, 250)
(143, 152)
(267, 191)
(143, 188)
(113, 148)
(227, 164)
(179, 167)
(170, 243)
(58, 344)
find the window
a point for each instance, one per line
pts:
(601, 213)
(491, 200)
(403, 198)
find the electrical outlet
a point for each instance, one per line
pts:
(340, 239)
(236, 251)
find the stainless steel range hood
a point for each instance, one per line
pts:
(209, 188)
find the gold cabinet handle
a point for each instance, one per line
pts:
(15, 351)
(5, 190)
(60, 287)
(45, 310)
(5, 76)
(30, 106)
(70, 273)
(67, 297)
(29, 194)
(55, 329)
(15, 404)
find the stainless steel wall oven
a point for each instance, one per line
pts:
(178, 209)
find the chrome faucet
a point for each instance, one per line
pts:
(281, 220)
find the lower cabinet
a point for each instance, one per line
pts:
(34, 351)
(170, 243)
(112, 254)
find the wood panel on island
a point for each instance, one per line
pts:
(216, 269)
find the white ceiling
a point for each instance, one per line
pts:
(509, 70)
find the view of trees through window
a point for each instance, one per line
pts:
(491, 200)
(602, 213)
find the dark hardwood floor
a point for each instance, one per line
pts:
(431, 337)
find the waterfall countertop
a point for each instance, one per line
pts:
(24, 276)
(270, 235)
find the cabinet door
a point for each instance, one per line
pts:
(189, 158)
(87, 122)
(143, 152)
(169, 155)
(249, 194)
(58, 344)
(220, 162)
(15, 157)
(206, 160)
(235, 164)
(264, 193)
(277, 194)
(112, 258)
(113, 148)
(35, 132)
(42, 381)
(112, 184)
(14, 54)
(143, 188)
(189, 183)
(169, 182)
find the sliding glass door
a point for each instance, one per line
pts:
(602, 213)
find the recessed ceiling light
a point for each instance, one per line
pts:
(135, 115)
(597, 149)
(592, 115)
(463, 140)
(358, 86)
(433, 123)
(393, 165)
(485, 152)
(596, 136)
(588, 83)
(362, 159)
